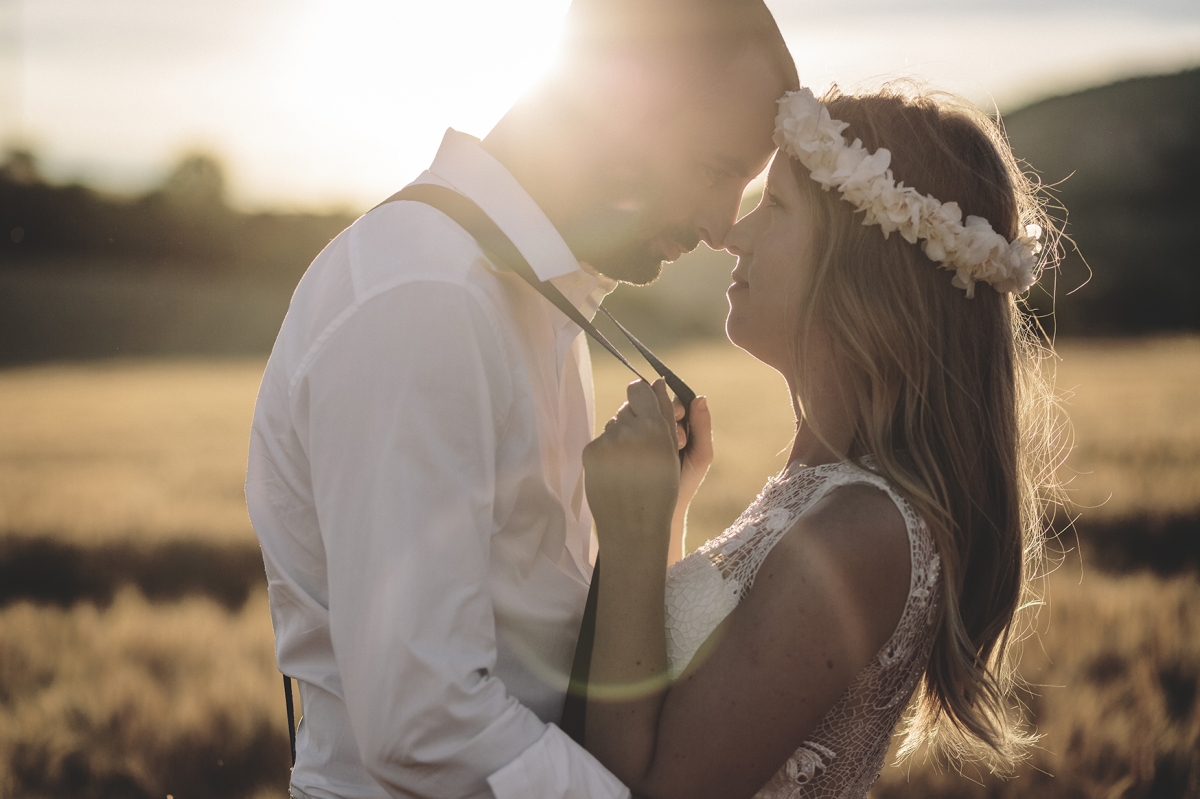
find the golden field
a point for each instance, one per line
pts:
(114, 474)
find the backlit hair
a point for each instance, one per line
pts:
(951, 398)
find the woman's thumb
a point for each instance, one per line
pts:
(700, 430)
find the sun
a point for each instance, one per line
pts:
(372, 85)
(463, 62)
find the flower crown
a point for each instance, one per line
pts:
(972, 250)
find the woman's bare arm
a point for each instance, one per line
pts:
(632, 481)
(823, 604)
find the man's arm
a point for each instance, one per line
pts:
(404, 402)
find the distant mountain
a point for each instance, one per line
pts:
(184, 226)
(84, 274)
(1125, 162)
(175, 271)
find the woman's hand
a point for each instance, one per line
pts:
(696, 460)
(632, 474)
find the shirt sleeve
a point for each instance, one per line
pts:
(404, 401)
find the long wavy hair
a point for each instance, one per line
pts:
(951, 399)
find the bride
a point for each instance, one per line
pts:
(883, 568)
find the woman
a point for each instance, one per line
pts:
(889, 558)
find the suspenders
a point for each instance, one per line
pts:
(473, 219)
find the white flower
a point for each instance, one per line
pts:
(962, 280)
(941, 229)
(805, 130)
(900, 208)
(803, 125)
(869, 179)
(977, 243)
(1033, 234)
(834, 171)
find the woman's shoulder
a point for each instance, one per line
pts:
(859, 523)
(855, 542)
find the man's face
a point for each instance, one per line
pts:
(686, 175)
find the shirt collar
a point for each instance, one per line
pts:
(464, 165)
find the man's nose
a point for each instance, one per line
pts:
(737, 240)
(717, 219)
(714, 234)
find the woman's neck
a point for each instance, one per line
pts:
(820, 405)
(808, 449)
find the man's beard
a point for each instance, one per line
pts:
(639, 262)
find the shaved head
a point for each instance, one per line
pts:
(640, 144)
(693, 38)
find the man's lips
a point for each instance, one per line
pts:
(668, 249)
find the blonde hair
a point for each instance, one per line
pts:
(949, 399)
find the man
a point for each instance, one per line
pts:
(415, 472)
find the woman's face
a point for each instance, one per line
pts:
(774, 247)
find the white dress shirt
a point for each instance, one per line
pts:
(415, 480)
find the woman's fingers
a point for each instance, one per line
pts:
(650, 406)
(645, 399)
(631, 472)
(641, 399)
(681, 433)
(649, 402)
(700, 424)
(641, 415)
(699, 456)
(664, 402)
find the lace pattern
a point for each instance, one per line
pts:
(845, 754)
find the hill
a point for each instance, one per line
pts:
(1124, 160)
(177, 270)
(174, 271)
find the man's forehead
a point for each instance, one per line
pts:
(740, 143)
(735, 117)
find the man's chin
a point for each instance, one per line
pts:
(639, 271)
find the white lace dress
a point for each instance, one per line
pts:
(846, 751)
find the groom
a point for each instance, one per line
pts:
(415, 472)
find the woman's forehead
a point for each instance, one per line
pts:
(780, 177)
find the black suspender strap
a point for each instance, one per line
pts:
(291, 711)
(473, 219)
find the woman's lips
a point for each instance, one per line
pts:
(739, 281)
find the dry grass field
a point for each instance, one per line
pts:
(1134, 407)
(135, 643)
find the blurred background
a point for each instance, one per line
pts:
(168, 171)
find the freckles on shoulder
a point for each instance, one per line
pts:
(846, 563)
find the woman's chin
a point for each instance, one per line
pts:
(743, 334)
(733, 330)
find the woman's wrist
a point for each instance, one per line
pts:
(635, 530)
(644, 552)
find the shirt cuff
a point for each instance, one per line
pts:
(555, 766)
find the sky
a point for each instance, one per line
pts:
(338, 103)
